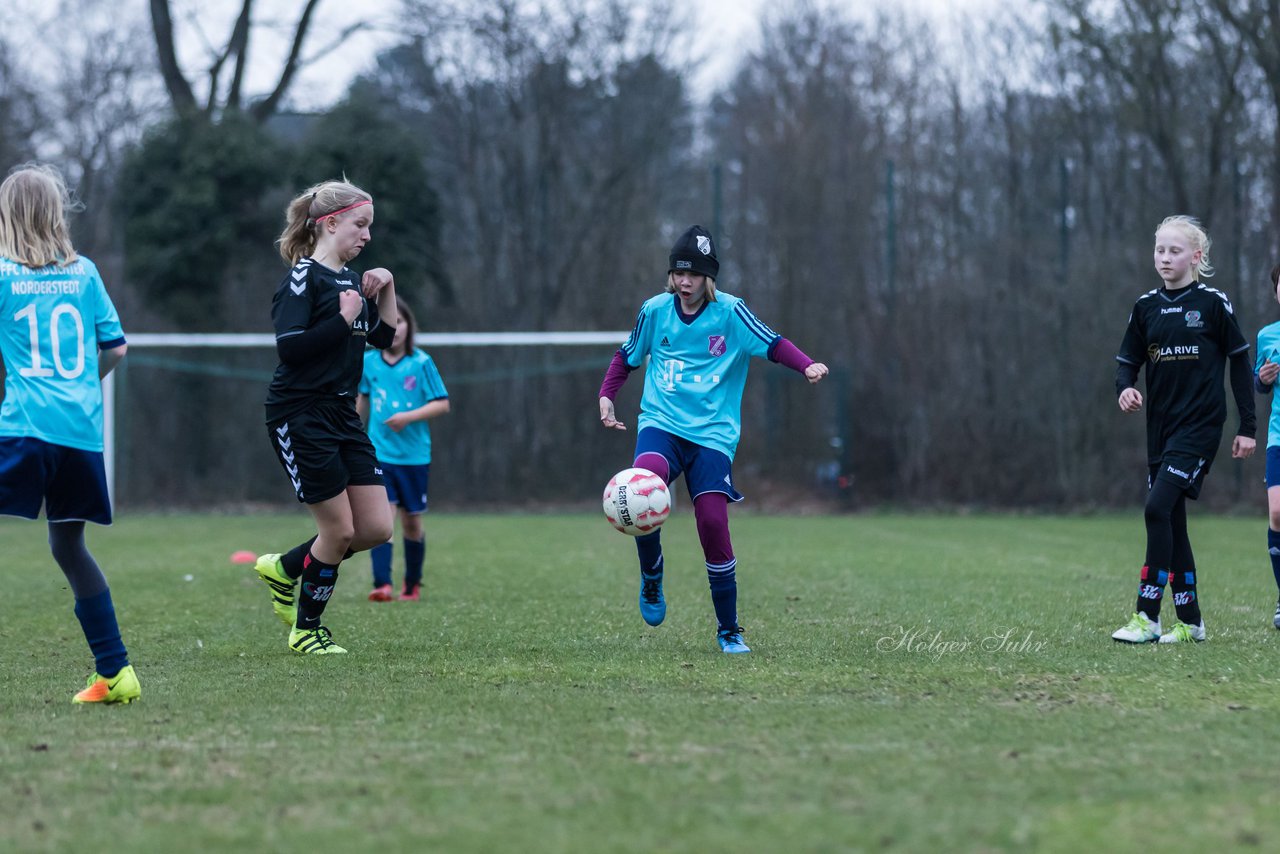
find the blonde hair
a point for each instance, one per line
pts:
(304, 213)
(1199, 238)
(34, 201)
(711, 286)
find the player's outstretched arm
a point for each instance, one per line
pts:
(607, 416)
(109, 359)
(815, 372)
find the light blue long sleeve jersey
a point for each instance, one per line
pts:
(697, 367)
(53, 320)
(1269, 351)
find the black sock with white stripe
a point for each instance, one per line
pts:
(318, 581)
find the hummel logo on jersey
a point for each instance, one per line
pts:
(299, 283)
(665, 342)
(1178, 472)
(1173, 309)
(346, 283)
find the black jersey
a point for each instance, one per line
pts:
(309, 296)
(1184, 337)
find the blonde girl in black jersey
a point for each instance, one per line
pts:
(324, 314)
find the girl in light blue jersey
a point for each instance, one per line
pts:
(399, 392)
(1268, 366)
(699, 342)
(59, 336)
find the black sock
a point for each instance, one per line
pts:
(1151, 591)
(1185, 600)
(292, 560)
(318, 581)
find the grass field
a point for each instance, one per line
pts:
(918, 683)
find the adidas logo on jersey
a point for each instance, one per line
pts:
(665, 342)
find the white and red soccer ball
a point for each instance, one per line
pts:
(636, 501)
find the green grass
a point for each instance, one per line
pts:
(525, 707)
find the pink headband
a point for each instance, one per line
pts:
(344, 210)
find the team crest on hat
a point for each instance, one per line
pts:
(704, 244)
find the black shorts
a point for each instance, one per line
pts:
(1184, 469)
(323, 450)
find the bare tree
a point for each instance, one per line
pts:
(1258, 26)
(1178, 74)
(235, 51)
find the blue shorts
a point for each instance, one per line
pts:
(704, 469)
(69, 482)
(1273, 466)
(407, 486)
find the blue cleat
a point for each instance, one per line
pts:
(653, 606)
(730, 638)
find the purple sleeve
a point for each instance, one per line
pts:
(615, 376)
(785, 353)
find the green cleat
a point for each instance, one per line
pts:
(121, 688)
(318, 641)
(283, 600)
(1184, 633)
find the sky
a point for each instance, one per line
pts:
(204, 24)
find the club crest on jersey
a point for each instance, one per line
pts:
(704, 244)
(410, 383)
(1193, 320)
(715, 343)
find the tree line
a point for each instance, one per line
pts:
(956, 215)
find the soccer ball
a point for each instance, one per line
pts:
(636, 501)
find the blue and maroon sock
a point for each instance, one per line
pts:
(415, 555)
(97, 616)
(380, 557)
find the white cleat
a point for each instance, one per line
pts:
(1139, 629)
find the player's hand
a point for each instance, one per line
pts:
(1267, 373)
(815, 372)
(375, 280)
(350, 304)
(607, 417)
(398, 422)
(1130, 400)
(1242, 447)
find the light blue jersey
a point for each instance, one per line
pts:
(1269, 351)
(697, 367)
(52, 322)
(410, 383)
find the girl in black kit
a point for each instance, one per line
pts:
(324, 314)
(1184, 333)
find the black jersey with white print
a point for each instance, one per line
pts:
(1184, 338)
(307, 297)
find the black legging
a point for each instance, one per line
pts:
(1168, 546)
(66, 541)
